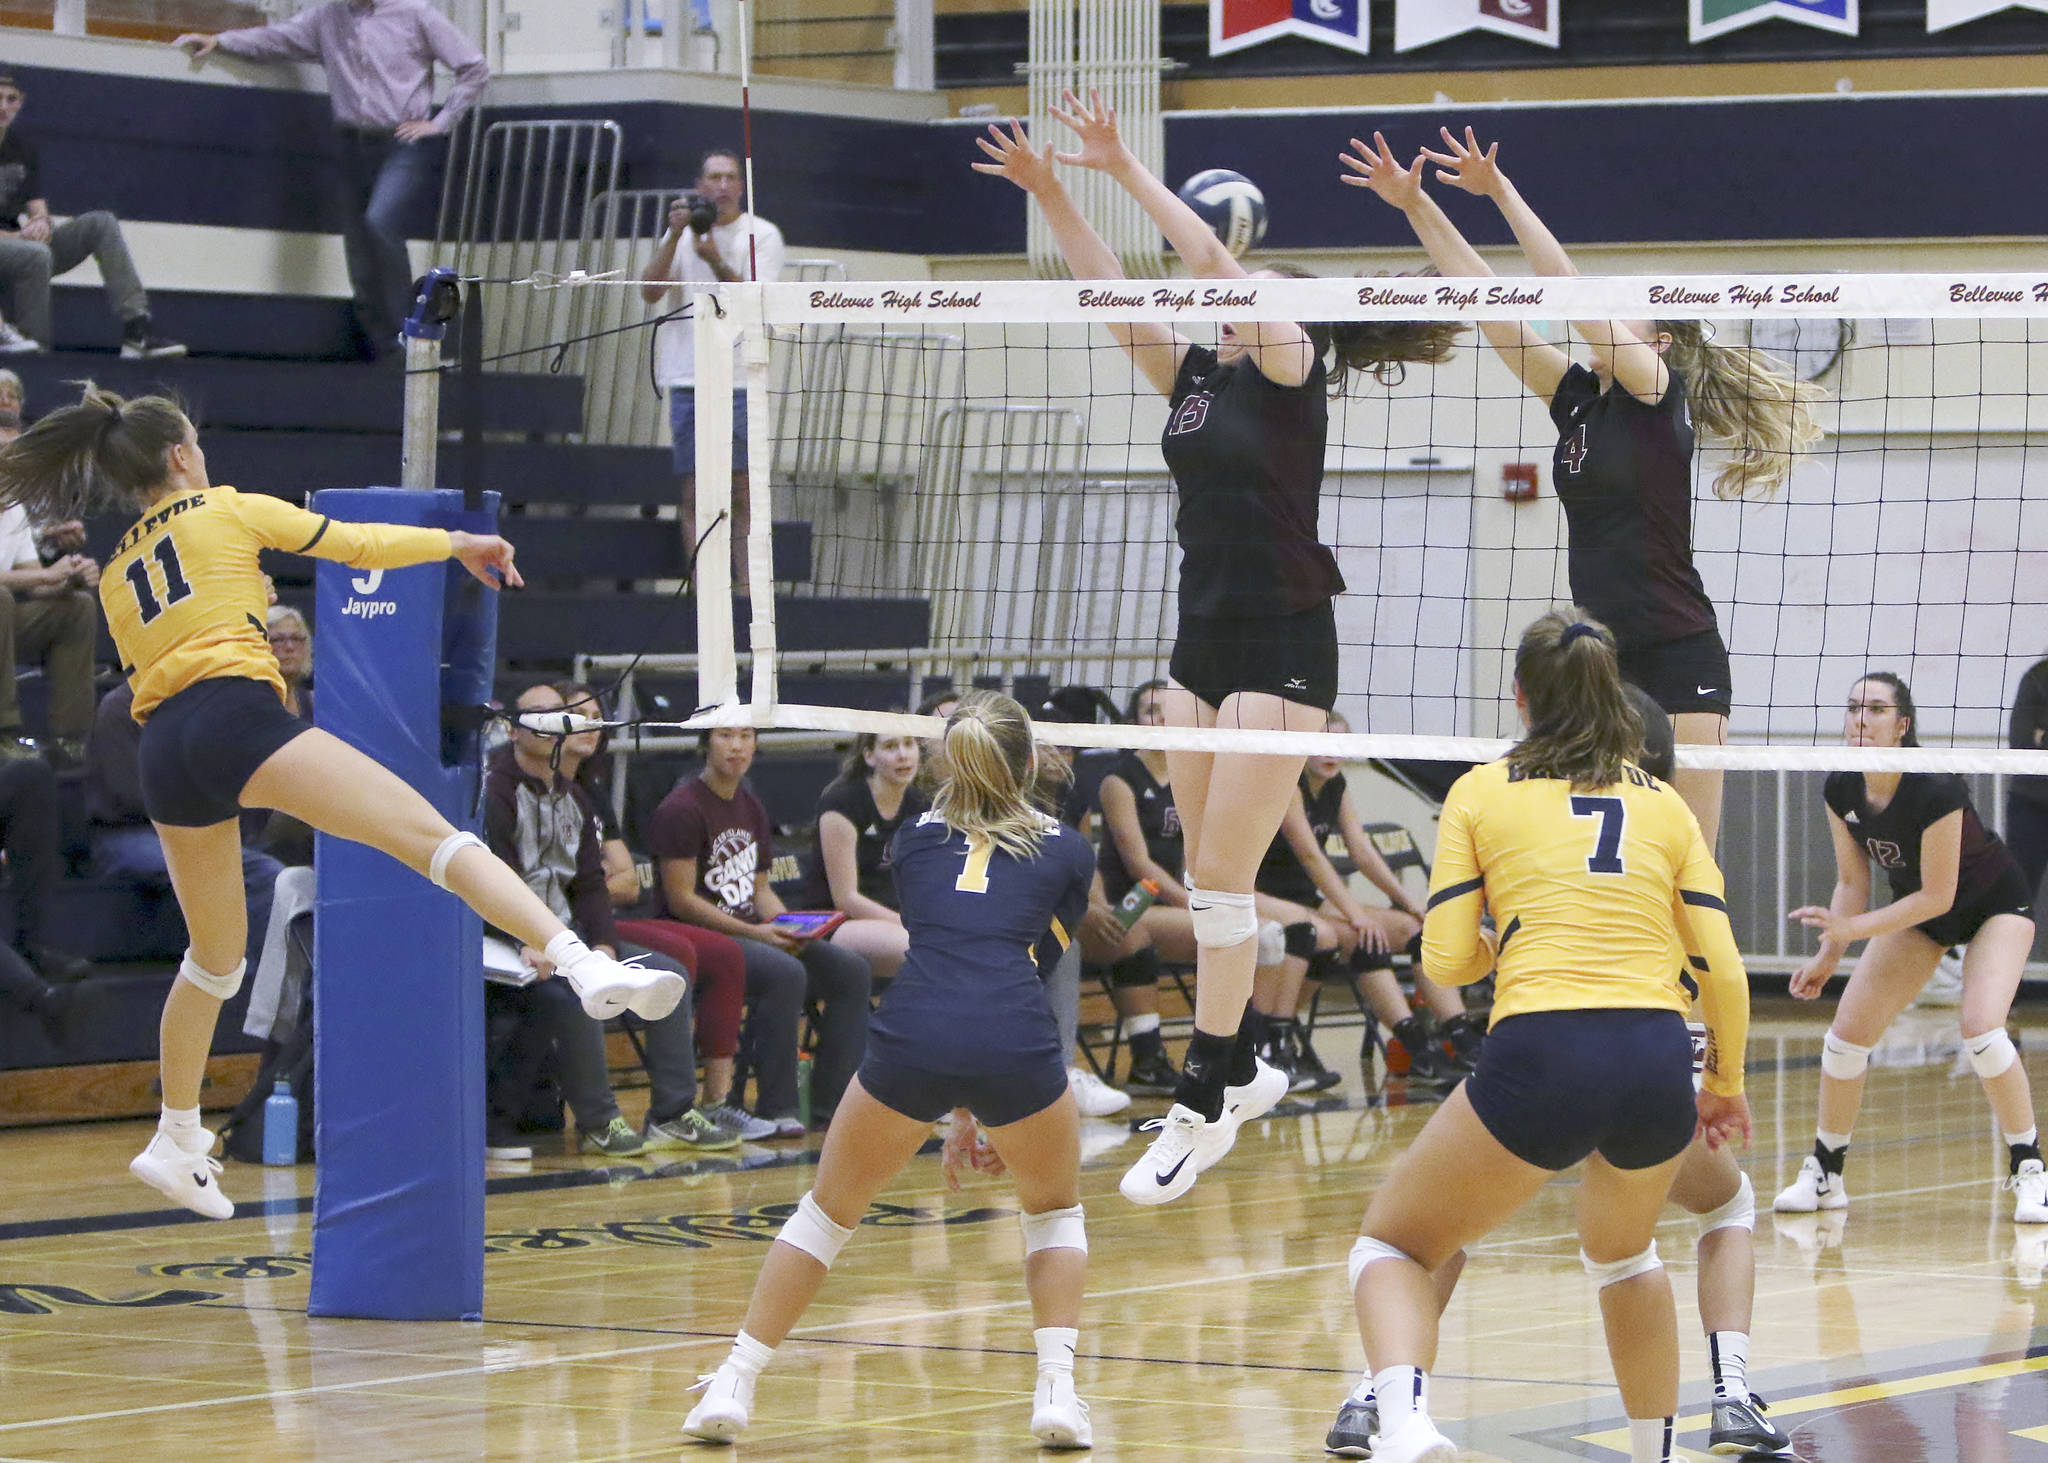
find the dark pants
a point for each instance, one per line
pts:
(28, 835)
(382, 180)
(670, 1044)
(777, 986)
(57, 634)
(27, 268)
(2026, 834)
(136, 856)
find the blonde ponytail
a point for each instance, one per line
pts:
(1747, 400)
(985, 775)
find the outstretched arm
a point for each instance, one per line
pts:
(1154, 348)
(1635, 363)
(1280, 349)
(1538, 363)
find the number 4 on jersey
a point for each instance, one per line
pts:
(1612, 813)
(175, 585)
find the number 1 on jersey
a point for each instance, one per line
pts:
(176, 586)
(974, 873)
(1612, 813)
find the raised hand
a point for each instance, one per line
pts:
(1014, 157)
(1465, 166)
(1374, 167)
(1093, 122)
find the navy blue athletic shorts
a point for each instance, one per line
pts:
(682, 427)
(1554, 1086)
(1293, 656)
(996, 1099)
(201, 746)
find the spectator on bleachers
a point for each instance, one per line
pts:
(34, 248)
(714, 846)
(379, 57)
(291, 641)
(48, 614)
(541, 822)
(718, 994)
(738, 245)
(125, 848)
(875, 793)
(2026, 798)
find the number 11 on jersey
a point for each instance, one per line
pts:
(176, 587)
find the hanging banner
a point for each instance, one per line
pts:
(1941, 14)
(1235, 24)
(1712, 18)
(1425, 22)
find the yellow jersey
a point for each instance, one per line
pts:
(1595, 896)
(184, 594)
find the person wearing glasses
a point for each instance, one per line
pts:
(1953, 884)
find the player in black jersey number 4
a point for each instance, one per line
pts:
(1623, 463)
(1256, 646)
(992, 890)
(1953, 883)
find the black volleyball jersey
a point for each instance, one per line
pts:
(1158, 820)
(1892, 836)
(1247, 461)
(1623, 472)
(982, 923)
(1281, 874)
(854, 800)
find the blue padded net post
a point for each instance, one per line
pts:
(398, 1212)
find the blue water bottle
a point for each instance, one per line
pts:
(281, 1127)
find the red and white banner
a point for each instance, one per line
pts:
(1235, 24)
(1425, 22)
(1941, 14)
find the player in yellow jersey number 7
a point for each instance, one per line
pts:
(184, 598)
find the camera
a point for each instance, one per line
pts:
(703, 213)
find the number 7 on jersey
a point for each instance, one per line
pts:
(1612, 813)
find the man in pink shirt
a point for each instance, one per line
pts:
(379, 56)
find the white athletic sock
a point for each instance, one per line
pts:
(1402, 1392)
(1139, 1024)
(1649, 1440)
(182, 1124)
(1730, 1351)
(565, 947)
(1056, 1347)
(1836, 1141)
(2023, 1140)
(748, 1357)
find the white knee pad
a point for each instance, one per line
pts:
(811, 1230)
(1843, 1060)
(1054, 1229)
(1221, 920)
(1616, 1271)
(444, 854)
(1991, 1053)
(220, 987)
(1364, 1250)
(1738, 1213)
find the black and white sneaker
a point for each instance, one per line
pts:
(1151, 1075)
(140, 342)
(1307, 1063)
(1741, 1427)
(1357, 1424)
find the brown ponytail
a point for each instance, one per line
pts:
(1582, 725)
(102, 453)
(1382, 349)
(985, 780)
(1748, 400)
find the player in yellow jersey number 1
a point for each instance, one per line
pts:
(184, 599)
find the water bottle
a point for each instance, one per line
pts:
(803, 1089)
(1142, 896)
(281, 1126)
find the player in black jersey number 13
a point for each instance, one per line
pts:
(1256, 646)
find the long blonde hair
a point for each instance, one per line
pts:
(1582, 725)
(104, 452)
(985, 774)
(1747, 399)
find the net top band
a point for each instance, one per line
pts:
(1392, 297)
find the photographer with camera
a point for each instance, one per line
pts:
(708, 239)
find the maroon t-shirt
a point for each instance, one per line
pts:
(730, 838)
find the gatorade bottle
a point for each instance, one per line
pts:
(1142, 896)
(281, 1127)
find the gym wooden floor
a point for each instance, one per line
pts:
(1218, 1327)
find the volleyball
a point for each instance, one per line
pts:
(1231, 204)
